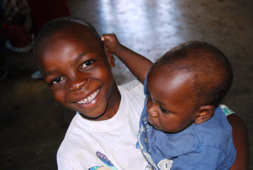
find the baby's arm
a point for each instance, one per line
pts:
(136, 63)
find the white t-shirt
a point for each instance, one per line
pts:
(110, 143)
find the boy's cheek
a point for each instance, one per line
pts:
(59, 97)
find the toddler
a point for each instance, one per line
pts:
(182, 125)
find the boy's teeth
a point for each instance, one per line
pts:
(89, 98)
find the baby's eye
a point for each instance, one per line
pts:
(56, 81)
(87, 63)
(164, 110)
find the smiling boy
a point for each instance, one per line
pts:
(73, 58)
(77, 70)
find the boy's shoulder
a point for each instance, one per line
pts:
(133, 89)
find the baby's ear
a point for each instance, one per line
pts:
(204, 113)
(109, 56)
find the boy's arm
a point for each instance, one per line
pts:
(240, 138)
(137, 64)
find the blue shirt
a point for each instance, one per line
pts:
(205, 146)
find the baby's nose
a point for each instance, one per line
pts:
(152, 111)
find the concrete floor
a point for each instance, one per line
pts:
(32, 124)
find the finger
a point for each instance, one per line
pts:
(105, 40)
(109, 35)
(105, 37)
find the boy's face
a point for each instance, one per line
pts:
(171, 102)
(78, 72)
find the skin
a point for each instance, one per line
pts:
(241, 142)
(128, 57)
(76, 66)
(170, 106)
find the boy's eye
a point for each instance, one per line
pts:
(164, 111)
(56, 81)
(87, 63)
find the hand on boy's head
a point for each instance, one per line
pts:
(111, 42)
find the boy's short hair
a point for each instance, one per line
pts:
(213, 72)
(58, 24)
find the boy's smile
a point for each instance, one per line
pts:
(171, 102)
(78, 72)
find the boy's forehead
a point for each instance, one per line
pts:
(164, 82)
(73, 35)
(77, 38)
(77, 32)
(164, 77)
(165, 74)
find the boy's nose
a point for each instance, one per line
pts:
(152, 110)
(77, 84)
(151, 107)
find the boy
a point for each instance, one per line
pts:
(76, 68)
(183, 89)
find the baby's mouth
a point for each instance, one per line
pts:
(89, 98)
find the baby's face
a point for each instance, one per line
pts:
(78, 72)
(171, 105)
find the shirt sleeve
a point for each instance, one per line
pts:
(206, 157)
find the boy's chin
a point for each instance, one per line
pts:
(97, 117)
(96, 114)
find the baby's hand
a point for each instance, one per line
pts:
(111, 42)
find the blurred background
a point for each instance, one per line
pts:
(32, 124)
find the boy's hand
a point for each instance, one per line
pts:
(127, 56)
(111, 42)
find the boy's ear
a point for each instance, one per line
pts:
(109, 56)
(204, 113)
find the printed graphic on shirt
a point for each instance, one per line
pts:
(137, 145)
(99, 168)
(226, 110)
(165, 164)
(106, 162)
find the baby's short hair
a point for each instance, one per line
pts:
(213, 72)
(60, 23)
